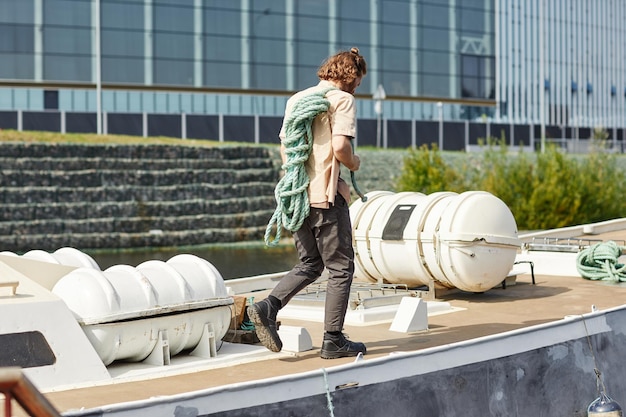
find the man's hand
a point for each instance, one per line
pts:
(357, 162)
(342, 149)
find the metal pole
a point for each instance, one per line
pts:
(440, 107)
(378, 127)
(98, 72)
(542, 78)
(379, 96)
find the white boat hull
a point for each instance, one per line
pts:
(546, 369)
(543, 369)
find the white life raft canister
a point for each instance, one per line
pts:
(467, 241)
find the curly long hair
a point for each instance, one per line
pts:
(344, 67)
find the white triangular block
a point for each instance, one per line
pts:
(412, 316)
(206, 348)
(160, 355)
(295, 339)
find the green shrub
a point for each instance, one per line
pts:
(543, 190)
(425, 171)
(554, 199)
(601, 187)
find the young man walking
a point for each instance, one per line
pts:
(324, 240)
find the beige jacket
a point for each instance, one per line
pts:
(322, 166)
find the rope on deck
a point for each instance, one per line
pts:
(599, 262)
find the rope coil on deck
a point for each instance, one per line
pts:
(599, 262)
(292, 200)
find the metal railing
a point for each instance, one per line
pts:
(15, 386)
(563, 244)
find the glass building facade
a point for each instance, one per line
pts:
(188, 55)
(553, 62)
(564, 60)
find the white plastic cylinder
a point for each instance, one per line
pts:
(205, 281)
(125, 310)
(467, 241)
(361, 214)
(169, 286)
(40, 255)
(63, 256)
(74, 257)
(478, 241)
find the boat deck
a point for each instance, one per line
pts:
(523, 304)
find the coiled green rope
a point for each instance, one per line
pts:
(292, 200)
(599, 262)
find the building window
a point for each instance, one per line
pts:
(312, 38)
(51, 99)
(354, 30)
(16, 40)
(123, 40)
(268, 69)
(173, 48)
(67, 41)
(221, 44)
(475, 79)
(395, 63)
(435, 54)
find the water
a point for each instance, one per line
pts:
(233, 261)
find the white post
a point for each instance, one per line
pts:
(542, 79)
(198, 24)
(38, 40)
(98, 71)
(148, 42)
(221, 127)
(290, 45)
(245, 44)
(440, 107)
(379, 96)
(379, 113)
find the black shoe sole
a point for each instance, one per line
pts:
(338, 354)
(268, 338)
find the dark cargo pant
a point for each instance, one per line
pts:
(324, 240)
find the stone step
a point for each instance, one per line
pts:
(67, 150)
(135, 224)
(86, 210)
(142, 194)
(128, 164)
(84, 241)
(108, 177)
(124, 196)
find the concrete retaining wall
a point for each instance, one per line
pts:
(125, 196)
(120, 196)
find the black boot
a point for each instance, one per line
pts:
(337, 346)
(263, 315)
